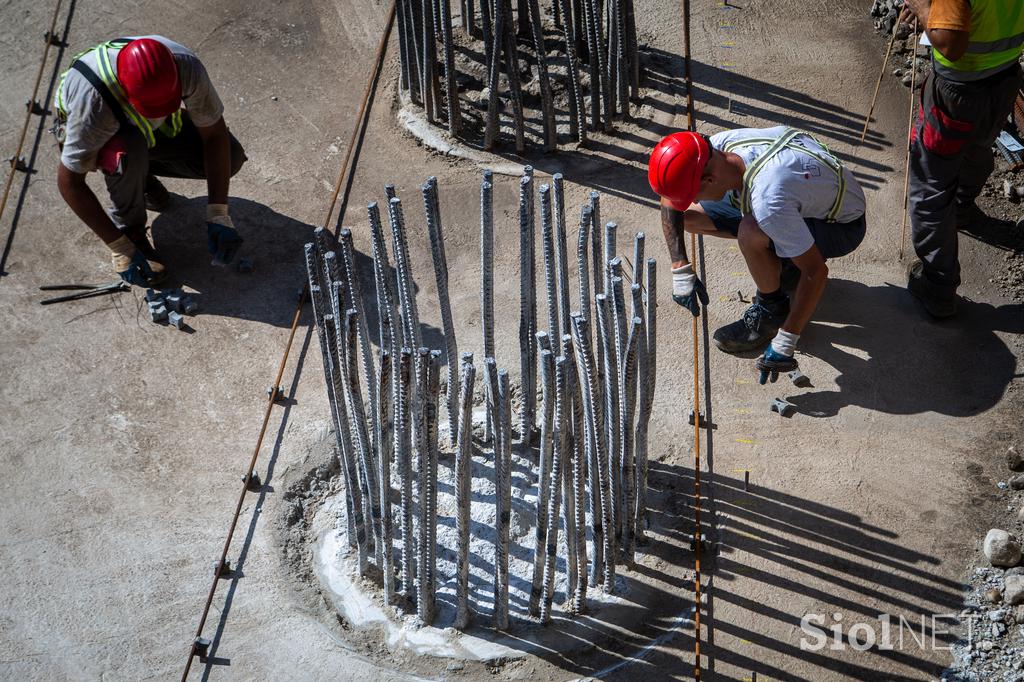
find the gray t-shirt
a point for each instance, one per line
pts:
(790, 187)
(91, 123)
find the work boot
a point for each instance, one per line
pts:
(156, 195)
(939, 305)
(759, 324)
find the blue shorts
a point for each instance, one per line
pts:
(832, 239)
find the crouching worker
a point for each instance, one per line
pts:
(790, 204)
(119, 111)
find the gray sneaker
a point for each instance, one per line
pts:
(759, 324)
(939, 305)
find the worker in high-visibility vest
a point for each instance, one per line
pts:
(976, 75)
(788, 201)
(119, 110)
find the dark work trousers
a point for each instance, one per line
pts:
(180, 156)
(950, 160)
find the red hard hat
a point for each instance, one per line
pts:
(149, 76)
(676, 166)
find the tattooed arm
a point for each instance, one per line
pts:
(675, 237)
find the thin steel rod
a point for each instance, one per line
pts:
(384, 455)
(28, 111)
(403, 458)
(463, 489)
(560, 442)
(504, 491)
(568, 493)
(543, 78)
(527, 306)
(550, 262)
(561, 251)
(547, 375)
(487, 284)
(878, 83)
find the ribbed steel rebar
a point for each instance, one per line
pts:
(432, 210)
(594, 41)
(512, 75)
(403, 272)
(384, 455)
(577, 112)
(527, 307)
(568, 464)
(357, 414)
(493, 121)
(577, 589)
(429, 46)
(493, 407)
(450, 80)
(550, 262)
(463, 489)
(355, 295)
(504, 491)
(637, 275)
(651, 281)
(560, 442)
(606, 338)
(487, 281)
(421, 470)
(627, 397)
(620, 335)
(561, 252)
(403, 457)
(428, 491)
(543, 78)
(586, 218)
(547, 376)
(611, 247)
(597, 461)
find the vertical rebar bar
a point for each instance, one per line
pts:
(632, 50)
(357, 414)
(543, 78)
(577, 589)
(547, 371)
(651, 281)
(568, 464)
(593, 27)
(606, 338)
(463, 489)
(431, 360)
(620, 335)
(487, 35)
(403, 53)
(596, 461)
(554, 496)
(403, 271)
(429, 45)
(527, 307)
(611, 248)
(627, 396)
(637, 275)
(420, 466)
(582, 263)
(403, 455)
(351, 277)
(493, 122)
(561, 251)
(504, 491)
(487, 283)
(550, 261)
(493, 407)
(577, 112)
(640, 435)
(512, 75)
(450, 80)
(432, 210)
(384, 455)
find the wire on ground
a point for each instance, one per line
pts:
(347, 171)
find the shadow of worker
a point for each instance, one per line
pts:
(892, 358)
(273, 242)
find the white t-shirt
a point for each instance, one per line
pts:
(792, 186)
(91, 123)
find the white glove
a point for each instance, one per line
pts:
(784, 343)
(683, 279)
(218, 213)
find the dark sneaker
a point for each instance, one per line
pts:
(759, 324)
(939, 305)
(156, 195)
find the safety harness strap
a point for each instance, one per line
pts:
(787, 140)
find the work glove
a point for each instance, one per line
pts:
(687, 290)
(778, 357)
(131, 264)
(221, 238)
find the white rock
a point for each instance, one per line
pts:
(1001, 548)
(1013, 590)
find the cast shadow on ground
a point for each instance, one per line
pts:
(275, 243)
(881, 342)
(619, 168)
(804, 552)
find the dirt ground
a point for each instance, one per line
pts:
(122, 442)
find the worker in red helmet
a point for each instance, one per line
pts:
(135, 109)
(785, 198)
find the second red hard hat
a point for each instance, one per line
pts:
(149, 76)
(676, 166)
